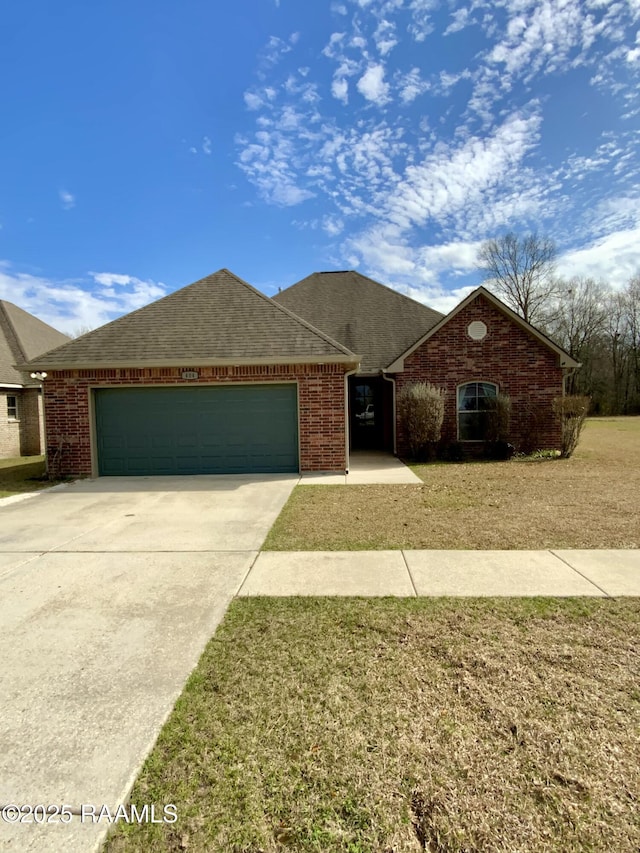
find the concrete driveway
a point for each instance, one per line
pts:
(109, 591)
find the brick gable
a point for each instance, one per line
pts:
(518, 362)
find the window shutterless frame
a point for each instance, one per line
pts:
(473, 404)
(12, 407)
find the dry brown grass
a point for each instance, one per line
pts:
(385, 726)
(588, 501)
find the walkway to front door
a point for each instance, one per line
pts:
(366, 467)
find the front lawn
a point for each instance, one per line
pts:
(588, 501)
(22, 474)
(385, 726)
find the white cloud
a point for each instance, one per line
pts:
(383, 249)
(411, 86)
(332, 225)
(108, 279)
(70, 305)
(463, 180)
(340, 89)
(448, 80)
(614, 258)
(253, 100)
(541, 35)
(68, 200)
(274, 50)
(270, 163)
(460, 170)
(385, 37)
(372, 86)
(460, 20)
(436, 297)
(206, 145)
(421, 25)
(334, 47)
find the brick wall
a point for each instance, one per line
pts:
(320, 400)
(521, 365)
(30, 422)
(9, 429)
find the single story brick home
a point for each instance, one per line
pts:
(219, 378)
(22, 337)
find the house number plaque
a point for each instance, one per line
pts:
(189, 374)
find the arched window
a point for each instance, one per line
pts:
(474, 403)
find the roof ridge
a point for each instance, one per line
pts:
(12, 337)
(301, 321)
(372, 280)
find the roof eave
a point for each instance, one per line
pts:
(198, 362)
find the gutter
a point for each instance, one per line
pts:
(185, 362)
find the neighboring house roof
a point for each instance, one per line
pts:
(364, 315)
(219, 319)
(22, 337)
(565, 359)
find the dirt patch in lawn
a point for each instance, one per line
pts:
(588, 501)
(386, 725)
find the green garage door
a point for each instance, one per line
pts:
(230, 429)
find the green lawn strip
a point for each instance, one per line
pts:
(399, 725)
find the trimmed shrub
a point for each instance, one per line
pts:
(421, 411)
(534, 420)
(572, 413)
(498, 418)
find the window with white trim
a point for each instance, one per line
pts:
(12, 407)
(475, 401)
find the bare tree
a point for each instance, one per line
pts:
(617, 336)
(80, 330)
(578, 324)
(632, 303)
(521, 271)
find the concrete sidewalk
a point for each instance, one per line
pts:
(439, 573)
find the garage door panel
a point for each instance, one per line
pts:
(221, 429)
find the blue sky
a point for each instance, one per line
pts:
(144, 145)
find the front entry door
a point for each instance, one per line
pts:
(366, 413)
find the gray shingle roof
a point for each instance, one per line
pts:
(364, 315)
(218, 319)
(22, 337)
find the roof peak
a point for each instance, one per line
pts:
(218, 319)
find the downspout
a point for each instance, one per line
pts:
(392, 380)
(346, 417)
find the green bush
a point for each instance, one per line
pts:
(421, 410)
(572, 413)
